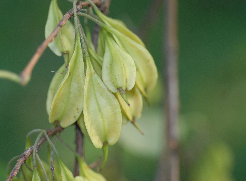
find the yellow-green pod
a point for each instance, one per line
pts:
(35, 176)
(54, 85)
(147, 75)
(66, 174)
(119, 26)
(79, 178)
(64, 42)
(68, 101)
(118, 69)
(102, 114)
(87, 173)
(96, 61)
(135, 99)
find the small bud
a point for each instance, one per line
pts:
(68, 101)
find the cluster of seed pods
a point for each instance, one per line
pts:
(100, 88)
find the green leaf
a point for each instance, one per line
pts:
(10, 76)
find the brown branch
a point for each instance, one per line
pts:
(26, 73)
(24, 156)
(172, 90)
(79, 141)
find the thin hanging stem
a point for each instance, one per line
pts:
(42, 167)
(33, 131)
(35, 150)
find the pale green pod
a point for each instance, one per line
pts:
(119, 26)
(68, 101)
(87, 173)
(102, 114)
(124, 119)
(135, 99)
(79, 178)
(64, 42)
(118, 69)
(96, 61)
(35, 176)
(81, 124)
(147, 75)
(54, 85)
(66, 174)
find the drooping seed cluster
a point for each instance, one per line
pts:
(103, 88)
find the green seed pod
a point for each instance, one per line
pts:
(102, 114)
(68, 101)
(87, 173)
(79, 178)
(66, 174)
(134, 97)
(35, 176)
(64, 41)
(54, 85)
(134, 111)
(118, 69)
(96, 61)
(146, 69)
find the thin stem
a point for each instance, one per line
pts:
(51, 144)
(79, 148)
(42, 167)
(35, 150)
(24, 156)
(28, 168)
(33, 131)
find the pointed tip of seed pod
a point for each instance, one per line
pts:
(105, 155)
(136, 126)
(123, 95)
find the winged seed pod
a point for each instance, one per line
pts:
(35, 176)
(66, 174)
(102, 114)
(54, 85)
(118, 70)
(64, 42)
(88, 174)
(68, 101)
(146, 77)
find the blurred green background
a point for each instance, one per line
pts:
(212, 73)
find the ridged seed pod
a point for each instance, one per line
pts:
(67, 104)
(64, 42)
(102, 114)
(118, 69)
